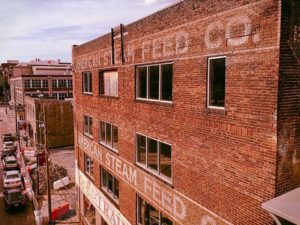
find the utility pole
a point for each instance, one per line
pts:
(47, 164)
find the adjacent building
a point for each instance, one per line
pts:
(56, 115)
(49, 77)
(190, 115)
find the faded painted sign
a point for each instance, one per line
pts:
(178, 206)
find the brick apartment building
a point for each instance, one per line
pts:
(190, 115)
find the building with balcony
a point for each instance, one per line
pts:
(190, 115)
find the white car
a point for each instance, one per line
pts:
(8, 144)
(10, 163)
(12, 179)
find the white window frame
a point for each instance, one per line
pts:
(156, 173)
(103, 143)
(89, 81)
(85, 133)
(89, 172)
(208, 83)
(105, 189)
(160, 83)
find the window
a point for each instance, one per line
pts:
(45, 83)
(149, 215)
(154, 82)
(70, 83)
(36, 83)
(70, 95)
(88, 165)
(109, 135)
(62, 96)
(154, 155)
(216, 82)
(88, 123)
(62, 83)
(110, 184)
(54, 83)
(27, 83)
(109, 83)
(87, 82)
(54, 95)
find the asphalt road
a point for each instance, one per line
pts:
(21, 216)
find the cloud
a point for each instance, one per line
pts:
(44, 29)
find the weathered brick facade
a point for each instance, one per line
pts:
(225, 163)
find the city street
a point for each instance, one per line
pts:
(17, 217)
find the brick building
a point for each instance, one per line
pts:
(190, 115)
(59, 121)
(50, 77)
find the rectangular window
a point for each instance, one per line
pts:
(88, 165)
(154, 82)
(54, 83)
(62, 96)
(27, 83)
(54, 95)
(216, 82)
(110, 185)
(88, 125)
(87, 82)
(109, 83)
(70, 95)
(154, 155)
(149, 215)
(70, 83)
(109, 135)
(45, 83)
(62, 83)
(36, 83)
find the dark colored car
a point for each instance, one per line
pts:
(7, 153)
(14, 198)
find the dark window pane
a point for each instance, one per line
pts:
(101, 83)
(165, 160)
(142, 211)
(154, 82)
(142, 82)
(165, 221)
(217, 82)
(90, 125)
(102, 132)
(152, 154)
(115, 137)
(166, 82)
(110, 182)
(153, 215)
(90, 83)
(116, 195)
(104, 178)
(141, 149)
(108, 134)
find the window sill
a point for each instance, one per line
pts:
(109, 148)
(216, 110)
(109, 97)
(163, 179)
(154, 102)
(87, 93)
(88, 135)
(111, 199)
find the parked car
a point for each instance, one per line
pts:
(10, 163)
(7, 137)
(9, 144)
(14, 198)
(6, 153)
(12, 179)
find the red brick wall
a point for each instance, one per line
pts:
(223, 160)
(288, 171)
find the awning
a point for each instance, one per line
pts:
(286, 206)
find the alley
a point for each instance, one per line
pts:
(17, 217)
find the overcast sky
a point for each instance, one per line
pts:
(47, 29)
